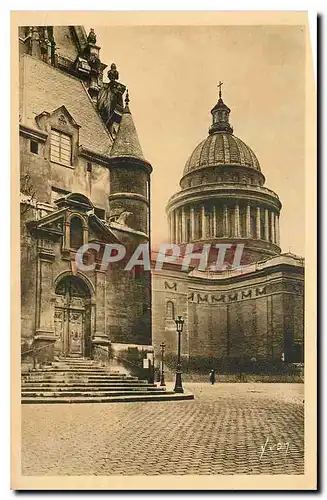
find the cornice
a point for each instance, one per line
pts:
(133, 196)
(227, 168)
(246, 276)
(32, 133)
(223, 191)
(94, 157)
(130, 161)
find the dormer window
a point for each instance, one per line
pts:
(61, 148)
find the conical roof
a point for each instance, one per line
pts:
(127, 142)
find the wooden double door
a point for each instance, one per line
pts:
(72, 318)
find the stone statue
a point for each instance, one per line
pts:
(92, 37)
(122, 219)
(113, 73)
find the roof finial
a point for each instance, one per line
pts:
(127, 98)
(219, 86)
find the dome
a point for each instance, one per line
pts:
(221, 148)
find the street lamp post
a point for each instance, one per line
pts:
(162, 375)
(178, 383)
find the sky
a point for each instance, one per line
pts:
(172, 74)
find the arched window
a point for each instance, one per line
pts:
(76, 233)
(170, 310)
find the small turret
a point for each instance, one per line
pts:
(129, 176)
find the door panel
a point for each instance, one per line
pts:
(76, 333)
(71, 317)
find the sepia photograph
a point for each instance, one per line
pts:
(161, 205)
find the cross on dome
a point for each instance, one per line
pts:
(220, 84)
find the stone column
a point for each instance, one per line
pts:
(187, 227)
(85, 234)
(192, 224)
(45, 307)
(100, 286)
(273, 237)
(177, 234)
(258, 223)
(172, 227)
(266, 224)
(248, 221)
(66, 242)
(277, 229)
(169, 227)
(225, 222)
(214, 232)
(203, 222)
(173, 230)
(183, 237)
(237, 221)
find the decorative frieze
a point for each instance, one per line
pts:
(171, 286)
(246, 294)
(217, 298)
(203, 298)
(212, 298)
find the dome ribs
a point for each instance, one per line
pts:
(225, 152)
(221, 149)
(233, 150)
(204, 156)
(255, 160)
(244, 156)
(211, 154)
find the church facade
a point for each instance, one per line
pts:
(255, 311)
(84, 181)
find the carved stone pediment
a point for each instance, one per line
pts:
(69, 207)
(52, 224)
(62, 122)
(75, 201)
(59, 118)
(99, 231)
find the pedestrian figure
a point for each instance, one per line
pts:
(212, 377)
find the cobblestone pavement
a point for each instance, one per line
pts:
(227, 429)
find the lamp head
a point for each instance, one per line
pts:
(179, 323)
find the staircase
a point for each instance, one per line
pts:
(83, 380)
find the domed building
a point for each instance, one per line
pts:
(250, 312)
(223, 197)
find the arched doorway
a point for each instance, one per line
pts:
(72, 317)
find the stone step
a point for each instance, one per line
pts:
(76, 360)
(81, 367)
(78, 370)
(64, 383)
(65, 376)
(87, 381)
(164, 396)
(81, 380)
(91, 388)
(86, 393)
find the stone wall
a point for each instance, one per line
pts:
(258, 316)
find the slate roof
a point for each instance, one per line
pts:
(127, 142)
(45, 88)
